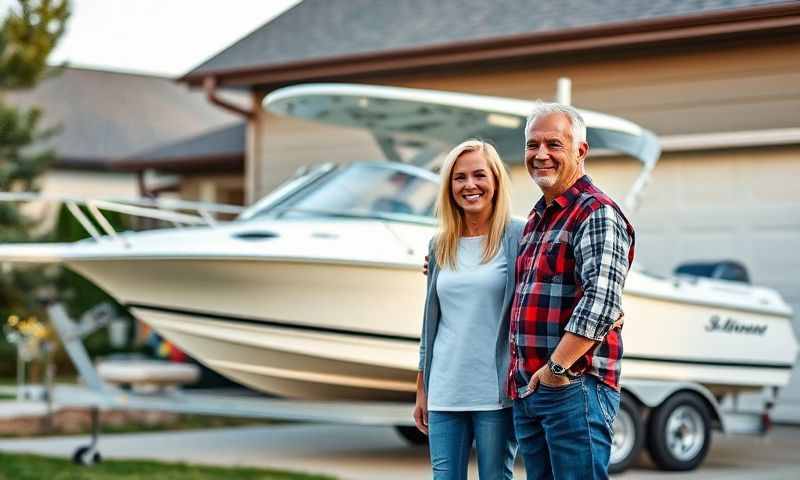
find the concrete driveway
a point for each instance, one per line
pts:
(378, 453)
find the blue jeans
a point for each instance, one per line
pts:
(565, 432)
(450, 435)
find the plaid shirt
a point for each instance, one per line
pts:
(573, 258)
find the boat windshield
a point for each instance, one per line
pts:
(384, 191)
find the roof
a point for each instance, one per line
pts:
(105, 116)
(218, 150)
(329, 29)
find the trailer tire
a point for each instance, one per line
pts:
(86, 456)
(679, 434)
(628, 437)
(412, 435)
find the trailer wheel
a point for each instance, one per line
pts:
(628, 438)
(412, 435)
(680, 432)
(86, 456)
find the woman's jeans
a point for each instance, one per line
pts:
(450, 435)
(566, 432)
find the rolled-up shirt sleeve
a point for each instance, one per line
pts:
(601, 247)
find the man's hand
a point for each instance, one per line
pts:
(545, 376)
(425, 267)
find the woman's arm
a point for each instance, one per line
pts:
(421, 404)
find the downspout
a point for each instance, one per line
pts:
(140, 181)
(210, 87)
(253, 119)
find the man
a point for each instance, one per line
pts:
(574, 255)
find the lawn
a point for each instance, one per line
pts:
(32, 467)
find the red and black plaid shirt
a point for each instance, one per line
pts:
(573, 259)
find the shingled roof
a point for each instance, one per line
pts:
(106, 116)
(221, 150)
(328, 29)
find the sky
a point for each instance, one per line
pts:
(162, 37)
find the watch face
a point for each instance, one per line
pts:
(557, 369)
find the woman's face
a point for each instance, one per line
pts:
(472, 183)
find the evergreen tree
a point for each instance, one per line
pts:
(28, 34)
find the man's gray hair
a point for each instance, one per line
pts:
(542, 109)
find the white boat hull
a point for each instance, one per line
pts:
(294, 363)
(667, 340)
(317, 330)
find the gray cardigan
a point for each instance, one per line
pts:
(430, 319)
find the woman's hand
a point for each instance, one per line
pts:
(421, 407)
(421, 417)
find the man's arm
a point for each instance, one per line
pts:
(601, 263)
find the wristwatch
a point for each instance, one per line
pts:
(559, 371)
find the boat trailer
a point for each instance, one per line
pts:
(99, 395)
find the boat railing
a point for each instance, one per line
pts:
(168, 210)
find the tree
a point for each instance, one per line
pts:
(28, 35)
(27, 38)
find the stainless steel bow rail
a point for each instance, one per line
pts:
(168, 210)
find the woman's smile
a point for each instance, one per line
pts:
(472, 183)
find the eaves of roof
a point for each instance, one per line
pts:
(88, 164)
(738, 23)
(218, 163)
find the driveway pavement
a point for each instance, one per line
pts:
(378, 453)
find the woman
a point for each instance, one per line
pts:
(461, 385)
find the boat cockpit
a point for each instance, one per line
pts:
(386, 191)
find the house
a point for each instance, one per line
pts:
(106, 117)
(719, 82)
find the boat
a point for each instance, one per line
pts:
(316, 291)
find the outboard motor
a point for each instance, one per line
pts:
(730, 270)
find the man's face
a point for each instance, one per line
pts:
(552, 160)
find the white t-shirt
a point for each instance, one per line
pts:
(463, 367)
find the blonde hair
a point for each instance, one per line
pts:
(451, 217)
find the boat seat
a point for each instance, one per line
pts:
(391, 205)
(730, 270)
(145, 374)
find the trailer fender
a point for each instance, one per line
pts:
(652, 393)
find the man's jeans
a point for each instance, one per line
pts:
(451, 435)
(565, 432)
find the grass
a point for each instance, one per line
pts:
(32, 467)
